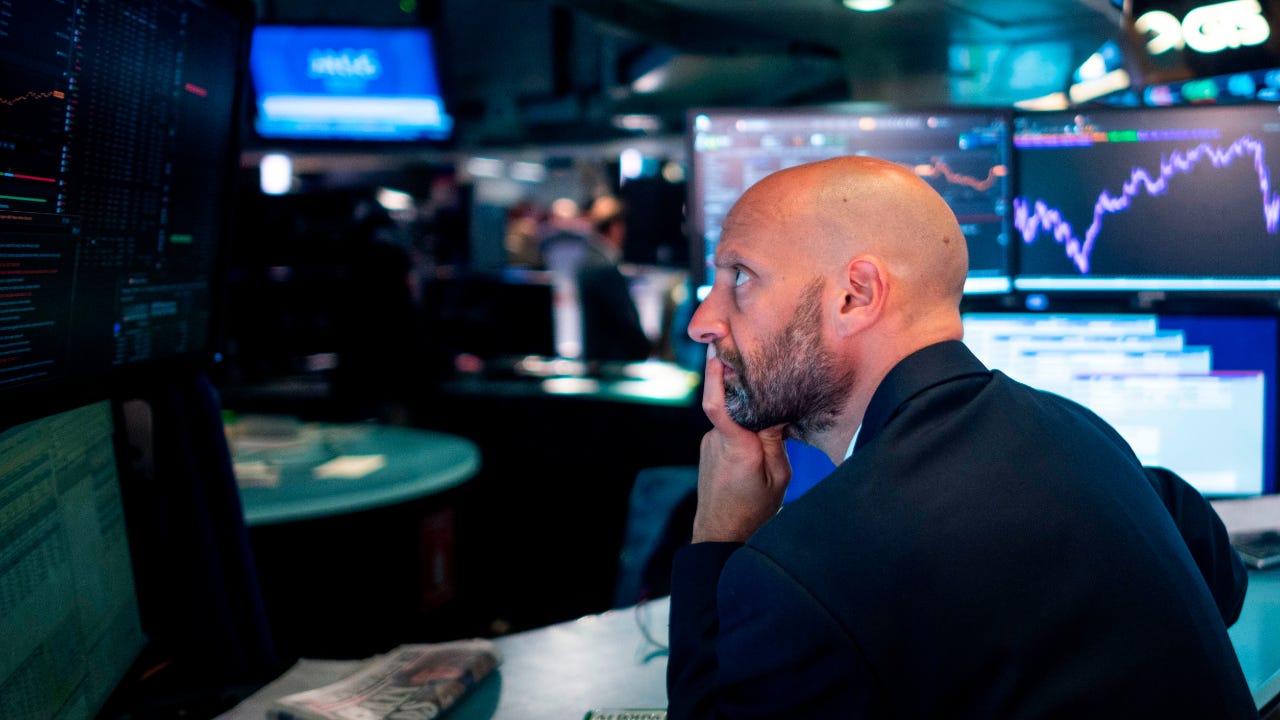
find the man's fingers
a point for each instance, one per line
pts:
(777, 467)
(713, 381)
(713, 391)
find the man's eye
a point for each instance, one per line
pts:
(739, 278)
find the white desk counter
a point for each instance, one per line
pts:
(607, 661)
(618, 660)
(1256, 635)
(554, 673)
(564, 670)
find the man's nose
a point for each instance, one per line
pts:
(707, 324)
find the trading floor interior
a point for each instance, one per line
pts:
(365, 402)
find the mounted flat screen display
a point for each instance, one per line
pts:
(1177, 198)
(334, 83)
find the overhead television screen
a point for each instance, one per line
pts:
(336, 83)
(1178, 198)
(963, 153)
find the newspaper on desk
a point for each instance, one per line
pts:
(412, 682)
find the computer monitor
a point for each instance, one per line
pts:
(347, 83)
(117, 141)
(1192, 393)
(69, 610)
(496, 316)
(963, 153)
(1177, 198)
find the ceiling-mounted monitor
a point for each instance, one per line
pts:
(1161, 199)
(963, 153)
(347, 83)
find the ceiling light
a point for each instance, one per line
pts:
(1052, 101)
(275, 173)
(1114, 81)
(484, 167)
(394, 200)
(868, 5)
(530, 172)
(651, 82)
(646, 123)
(630, 164)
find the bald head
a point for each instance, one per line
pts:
(854, 205)
(849, 264)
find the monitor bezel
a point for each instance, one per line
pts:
(257, 140)
(1049, 283)
(1203, 306)
(39, 398)
(996, 283)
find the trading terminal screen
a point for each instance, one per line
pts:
(116, 146)
(69, 612)
(1148, 199)
(1191, 393)
(963, 154)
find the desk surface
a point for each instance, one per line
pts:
(607, 661)
(553, 673)
(618, 660)
(564, 670)
(1254, 635)
(1256, 638)
(319, 469)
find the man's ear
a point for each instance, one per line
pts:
(866, 284)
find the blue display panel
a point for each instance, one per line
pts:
(1192, 393)
(1148, 199)
(963, 154)
(346, 84)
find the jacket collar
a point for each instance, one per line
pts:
(923, 369)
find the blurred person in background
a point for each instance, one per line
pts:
(611, 327)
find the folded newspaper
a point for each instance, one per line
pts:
(412, 682)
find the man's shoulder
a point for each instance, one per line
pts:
(1049, 402)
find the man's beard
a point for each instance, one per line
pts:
(792, 380)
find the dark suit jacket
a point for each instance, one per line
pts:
(611, 328)
(988, 551)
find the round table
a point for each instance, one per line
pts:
(289, 470)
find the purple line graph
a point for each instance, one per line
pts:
(1032, 218)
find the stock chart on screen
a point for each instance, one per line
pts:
(117, 140)
(1148, 199)
(963, 154)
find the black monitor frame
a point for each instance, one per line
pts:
(190, 222)
(256, 141)
(993, 273)
(1200, 318)
(1120, 190)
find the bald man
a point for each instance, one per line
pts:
(983, 549)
